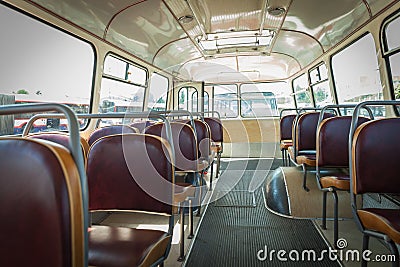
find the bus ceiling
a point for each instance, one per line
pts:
(220, 41)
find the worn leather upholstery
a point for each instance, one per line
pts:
(110, 130)
(62, 139)
(376, 170)
(217, 133)
(41, 205)
(185, 145)
(306, 130)
(333, 141)
(129, 172)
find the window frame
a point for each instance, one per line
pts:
(117, 79)
(168, 86)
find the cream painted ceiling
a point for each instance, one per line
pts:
(152, 31)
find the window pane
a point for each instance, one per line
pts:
(226, 100)
(322, 94)
(136, 75)
(50, 66)
(318, 74)
(183, 99)
(117, 96)
(115, 67)
(118, 68)
(194, 101)
(395, 69)
(357, 80)
(264, 99)
(392, 34)
(302, 94)
(206, 102)
(158, 92)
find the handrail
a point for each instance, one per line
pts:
(321, 114)
(113, 115)
(212, 112)
(295, 123)
(353, 126)
(75, 146)
(287, 109)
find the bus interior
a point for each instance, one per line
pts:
(199, 132)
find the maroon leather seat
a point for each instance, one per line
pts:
(41, 205)
(110, 130)
(286, 126)
(62, 139)
(304, 135)
(375, 170)
(120, 177)
(217, 137)
(333, 153)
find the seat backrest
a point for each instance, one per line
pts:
(305, 131)
(131, 172)
(141, 125)
(110, 130)
(286, 126)
(333, 141)
(217, 133)
(185, 144)
(203, 136)
(375, 168)
(41, 205)
(61, 139)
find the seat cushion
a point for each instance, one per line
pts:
(386, 221)
(121, 246)
(309, 160)
(339, 181)
(285, 144)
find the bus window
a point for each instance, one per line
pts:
(356, 74)
(158, 92)
(320, 86)
(226, 100)
(206, 102)
(57, 71)
(392, 53)
(301, 92)
(118, 93)
(264, 99)
(187, 99)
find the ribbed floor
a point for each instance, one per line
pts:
(233, 236)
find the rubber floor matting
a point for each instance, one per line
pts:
(233, 236)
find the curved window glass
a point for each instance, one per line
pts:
(40, 63)
(356, 73)
(302, 93)
(158, 92)
(264, 99)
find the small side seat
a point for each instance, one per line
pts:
(376, 170)
(41, 205)
(110, 130)
(62, 139)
